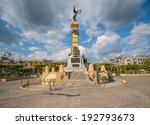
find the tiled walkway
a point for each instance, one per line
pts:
(136, 93)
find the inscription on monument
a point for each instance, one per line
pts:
(75, 65)
(75, 60)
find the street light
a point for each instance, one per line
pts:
(122, 59)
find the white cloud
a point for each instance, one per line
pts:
(140, 33)
(38, 55)
(87, 52)
(18, 56)
(52, 40)
(55, 47)
(34, 49)
(21, 43)
(44, 37)
(106, 44)
(112, 13)
(138, 40)
(60, 55)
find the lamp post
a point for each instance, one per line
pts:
(122, 59)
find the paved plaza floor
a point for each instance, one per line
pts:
(136, 93)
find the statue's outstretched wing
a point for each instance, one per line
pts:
(79, 11)
(74, 10)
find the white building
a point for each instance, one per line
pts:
(129, 60)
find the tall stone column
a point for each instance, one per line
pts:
(75, 62)
(75, 37)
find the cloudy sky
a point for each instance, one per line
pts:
(40, 29)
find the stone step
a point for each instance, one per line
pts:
(79, 75)
(75, 83)
(79, 83)
(78, 79)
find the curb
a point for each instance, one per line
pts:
(135, 75)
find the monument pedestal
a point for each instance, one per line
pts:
(75, 64)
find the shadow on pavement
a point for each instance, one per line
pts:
(61, 94)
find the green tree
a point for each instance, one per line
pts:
(37, 69)
(147, 62)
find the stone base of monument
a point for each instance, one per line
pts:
(75, 64)
(77, 73)
(79, 79)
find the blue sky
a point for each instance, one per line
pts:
(40, 29)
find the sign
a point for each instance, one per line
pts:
(75, 60)
(75, 65)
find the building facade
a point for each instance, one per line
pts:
(5, 60)
(31, 63)
(129, 60)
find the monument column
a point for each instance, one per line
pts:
(75, 37)
(75, 62)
